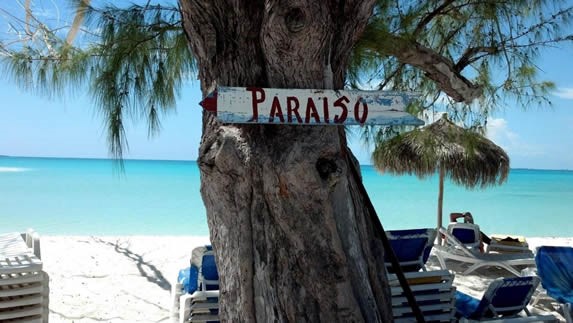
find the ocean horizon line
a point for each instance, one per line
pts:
(194, 160)
(78, 196)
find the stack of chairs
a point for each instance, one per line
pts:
(196, 293)
(434, 294)
(23, 284)
(433, 290)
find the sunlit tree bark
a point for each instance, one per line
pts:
(289, 229)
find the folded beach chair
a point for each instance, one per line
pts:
(23, 284)
(555, 269)
(504, 300)
(504, 243)
(434, 294)
(411, 247)
(196, 293)
(454, 249)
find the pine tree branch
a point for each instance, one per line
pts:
(436, 67)
(469, 56)
(430, 16)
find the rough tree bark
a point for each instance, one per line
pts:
(291, 235)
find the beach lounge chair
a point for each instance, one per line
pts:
(470, 235)
(196, 293)
(504, 300)
(24, 291)
(434, 294)
(555, 269)
(454, 249)
(504, 243)
(411, 247)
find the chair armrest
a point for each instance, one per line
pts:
(32, 239)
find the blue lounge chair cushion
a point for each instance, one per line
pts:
(188, 278)
(202, 258)
(410, 246)
(555, 269)
(465, 304)
(210, 268)
(465, 236)
(210, 272)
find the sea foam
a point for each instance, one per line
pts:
(13, 169)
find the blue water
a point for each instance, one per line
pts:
(88, 197)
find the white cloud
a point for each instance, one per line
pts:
(498, 131)
(564, 93)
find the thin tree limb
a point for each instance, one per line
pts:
(436, 67)
(78, 19)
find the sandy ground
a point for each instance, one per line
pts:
(128, 279)
(114, 279)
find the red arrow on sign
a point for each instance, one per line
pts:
(209, 103)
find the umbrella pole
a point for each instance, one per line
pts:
(440, 201)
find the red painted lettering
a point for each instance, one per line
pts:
(292, 108)
(276, 110)
(360, 118)
(341, 104)
(311, 112)
(255, 101)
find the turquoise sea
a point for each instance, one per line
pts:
(63, 196)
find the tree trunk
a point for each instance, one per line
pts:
(292, 238)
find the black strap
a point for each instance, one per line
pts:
(379, 230)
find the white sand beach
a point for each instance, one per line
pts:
(128, 279)
(114, 279)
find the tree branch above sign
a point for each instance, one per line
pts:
(309, 107)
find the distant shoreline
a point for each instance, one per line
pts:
(191, 160)
(102, 158)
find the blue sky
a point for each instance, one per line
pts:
(35, 126)
(30, 125)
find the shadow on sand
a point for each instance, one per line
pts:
(152, 274)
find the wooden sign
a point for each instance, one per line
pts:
(309, 107)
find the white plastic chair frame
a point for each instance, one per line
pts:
(455, 250)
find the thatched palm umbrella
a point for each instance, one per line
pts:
(467, 157)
